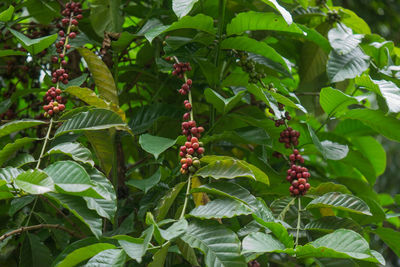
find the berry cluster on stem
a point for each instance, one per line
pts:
(193, 149)
(53, 101)
(297, 175)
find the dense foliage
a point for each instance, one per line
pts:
(197, 133)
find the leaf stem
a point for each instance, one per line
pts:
(45, 143)
(186, 198)
(30, 213)
(298, 223)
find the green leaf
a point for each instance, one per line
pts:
(15, 126)
(34, 46)
(77, 206)
(72, 179)
(286, 101)
(373, 151)
(166, 201)
(376, 119)
(348, 66)
(261, 243)
(21, 159)
(44, 12)
(229, 190)
(106, 207)
(331, 223)
(19, 203)
(220, 208)
(343, 40)
(102, 142)
(341, 202)
(334, 101)
(6, 15)
(105, 16)
(253, 46)
(253, 21)
(177, 229)
(187, 252)
(108, 257)
(340, 244)
(81, 254)
(285, 14)
(89, 97)
(159, 257)
(94, 119)
(390, 237)
(8, 174)
(155, 144)
(146, 184)
(157, 231)
(35, 182)
(387, 89)
(350, 19)
(334, 151)
(10, 52)
(8, 150)
(136, 247)
(74, 82)
(259, 175)
(74, 150)
(34, 253)
(227, 169)
(101, 74)
(222, 104)
(182, 7)
(220, 245)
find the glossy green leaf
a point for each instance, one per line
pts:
(182, 7)
(21, 160)
(348, 66)
(108, 257)
(253, 21)
(340, 201)
(335, 101)
(136, 247)
(155, 144)
(343, 40)
(261, 243)
(10, 52)
(334, 151)
(105, 16)
(283, 206)
(187, 252)
(177, 229)
(229, 190)
(160, 256)
(102, 142)
(9, 174)
(285, 14)
(71, 178)
(8, 150)
(35, 182)
(331, 223)
(387, 89)
(259, 175)
(101, 74)
(253, 46)
(227, 169)
(74, 82)
(220, 208)
(166, 201)
(373, 151)
(34, 46)
(74, 150)
(378, 121)
(81, 254)
(77, 206)
(94, 119)
(6, 15)
(15, 126)
(146, 184)
(220, 245)
(390, 237)
(222, 104)
(19, 203)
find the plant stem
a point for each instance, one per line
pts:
(186, 198)
(45, 143)
(221, 19)
(298, 223)
(30, 213)
(37, 227)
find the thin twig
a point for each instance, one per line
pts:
(37, 227)
(298, 223)
(186, 198)
(44, 144)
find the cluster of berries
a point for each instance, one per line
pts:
(298, 177)
(281, 121)
(60, 75)
(54, 102)
(249, 66)
(289, 137)
(180, 68)
(185, 88)
(190, 154)
(190, 130)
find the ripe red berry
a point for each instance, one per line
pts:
(192, 123)
(307, 186)
(194, 140)
(72, 35)
(63, 62)
(292, 157)
(195, 145)
(200, 129)
(189, 82)
(296, 151)
(188, 144)
(200, 150)
(301, 187)
(191, 151)
(188, 106)
(302, 181)
(79, 16)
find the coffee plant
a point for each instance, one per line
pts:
(197, 133)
